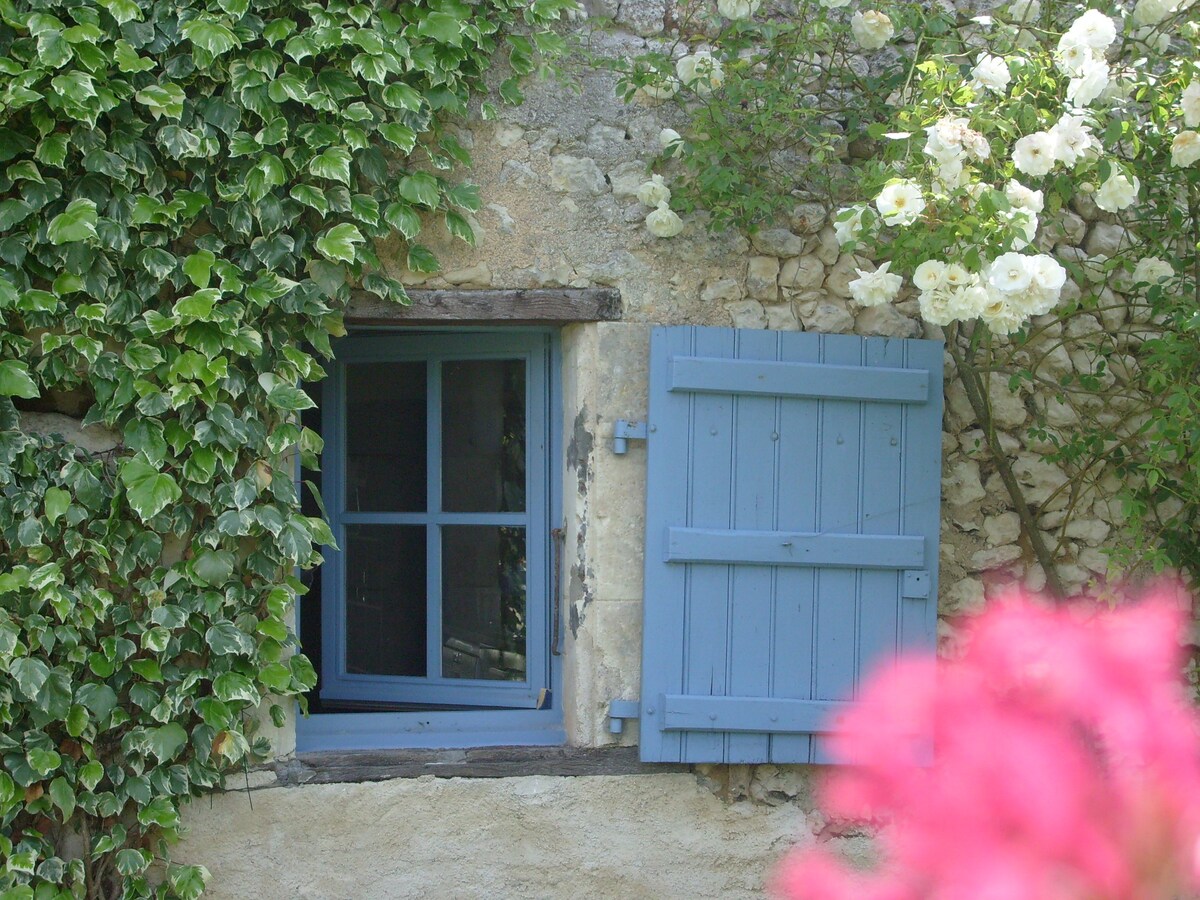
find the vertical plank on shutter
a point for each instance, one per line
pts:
(837, 510)
(709, 586)
(922, 461)
(881, 502)
(663, 606)
(754, 466)
(792, 647)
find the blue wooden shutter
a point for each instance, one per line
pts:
(792, 516)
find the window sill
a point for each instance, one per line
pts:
(441, 730)
(491, 762)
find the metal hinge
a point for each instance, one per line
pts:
(623, 430)
(619, 711)
(916, 585)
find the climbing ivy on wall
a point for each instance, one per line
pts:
(189, 191)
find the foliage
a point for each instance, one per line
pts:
(188, 193)
(976, 149)
(1063, 765)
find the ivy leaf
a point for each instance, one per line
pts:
(457, 225)
(76, 223)
(225, 638)
(57, 502)
(15, 380)
(188, 881)
(213, 36)
(165, 99)
(402, 96)
(420, 187)
(421, 259)
(198, 267)
(442, 27)
(99, 698)
(310, 196)
(131, 862)
(122, 10)
(166, 741)
(149, 491)
(42, 761)
(128, 60)
(52, 151)
(338, 242)
(404, 219)
(13, 212)
(285, 396)
(213, 567)
(400, 135)
(89, 774)
(74, 87)
(231, 687)
(333, 164)
(62, 796)
(30, 674)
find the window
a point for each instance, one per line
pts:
(437, 484)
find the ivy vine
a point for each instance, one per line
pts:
(188, 193)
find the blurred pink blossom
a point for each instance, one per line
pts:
(1058, 758)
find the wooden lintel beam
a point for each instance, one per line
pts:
(489, 306)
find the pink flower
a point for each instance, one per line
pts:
(1058, 759)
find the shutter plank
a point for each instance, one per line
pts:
(792, 644)
(665, 586)
(922, 462)
(840, 473)
(751, 713)
(882, 500)
(788, 379)
(754, 474)
(790, 548)
(709, 587)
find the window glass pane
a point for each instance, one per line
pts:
(483, 435)
(385, 437)
(483, 602)
(385, 599)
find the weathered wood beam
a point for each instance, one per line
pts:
(481, 762)
(508, 306)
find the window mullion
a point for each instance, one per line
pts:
(433, 535)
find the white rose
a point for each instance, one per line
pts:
(1022, 197)
(1001, 316)
(668, 137)
(1074, 139)
(1151, 12)
(700, 71)
(847, 224)
(1190, 104)
(930, 275)
(1034, 154)
(1024, 11)
(834, 4)
(1116, 193)
(900, 203)
(875, 288)
(1010, 274)
(1089, 84)
(657, 91)
(1185, 149)
(1094, 29)
(1152, 270)
(935, 307)
(1027, 221)
(654, 192)
(970, 300)
(871, 29)
(1046, 273)
(957, 276)
(1070, 55)
(662, 223)
(738, 9)
(951, 175)
(991, 72)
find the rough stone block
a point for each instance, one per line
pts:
(575, 174)
(747, 314)
(802, 273)
(762, 278)
(777, 242)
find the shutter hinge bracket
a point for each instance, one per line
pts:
(619, 711)
(623, 430)
(916, 585)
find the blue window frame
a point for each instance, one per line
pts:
(435, 613)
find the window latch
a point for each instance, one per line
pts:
(624, 430)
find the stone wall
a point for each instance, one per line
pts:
(558, 177)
